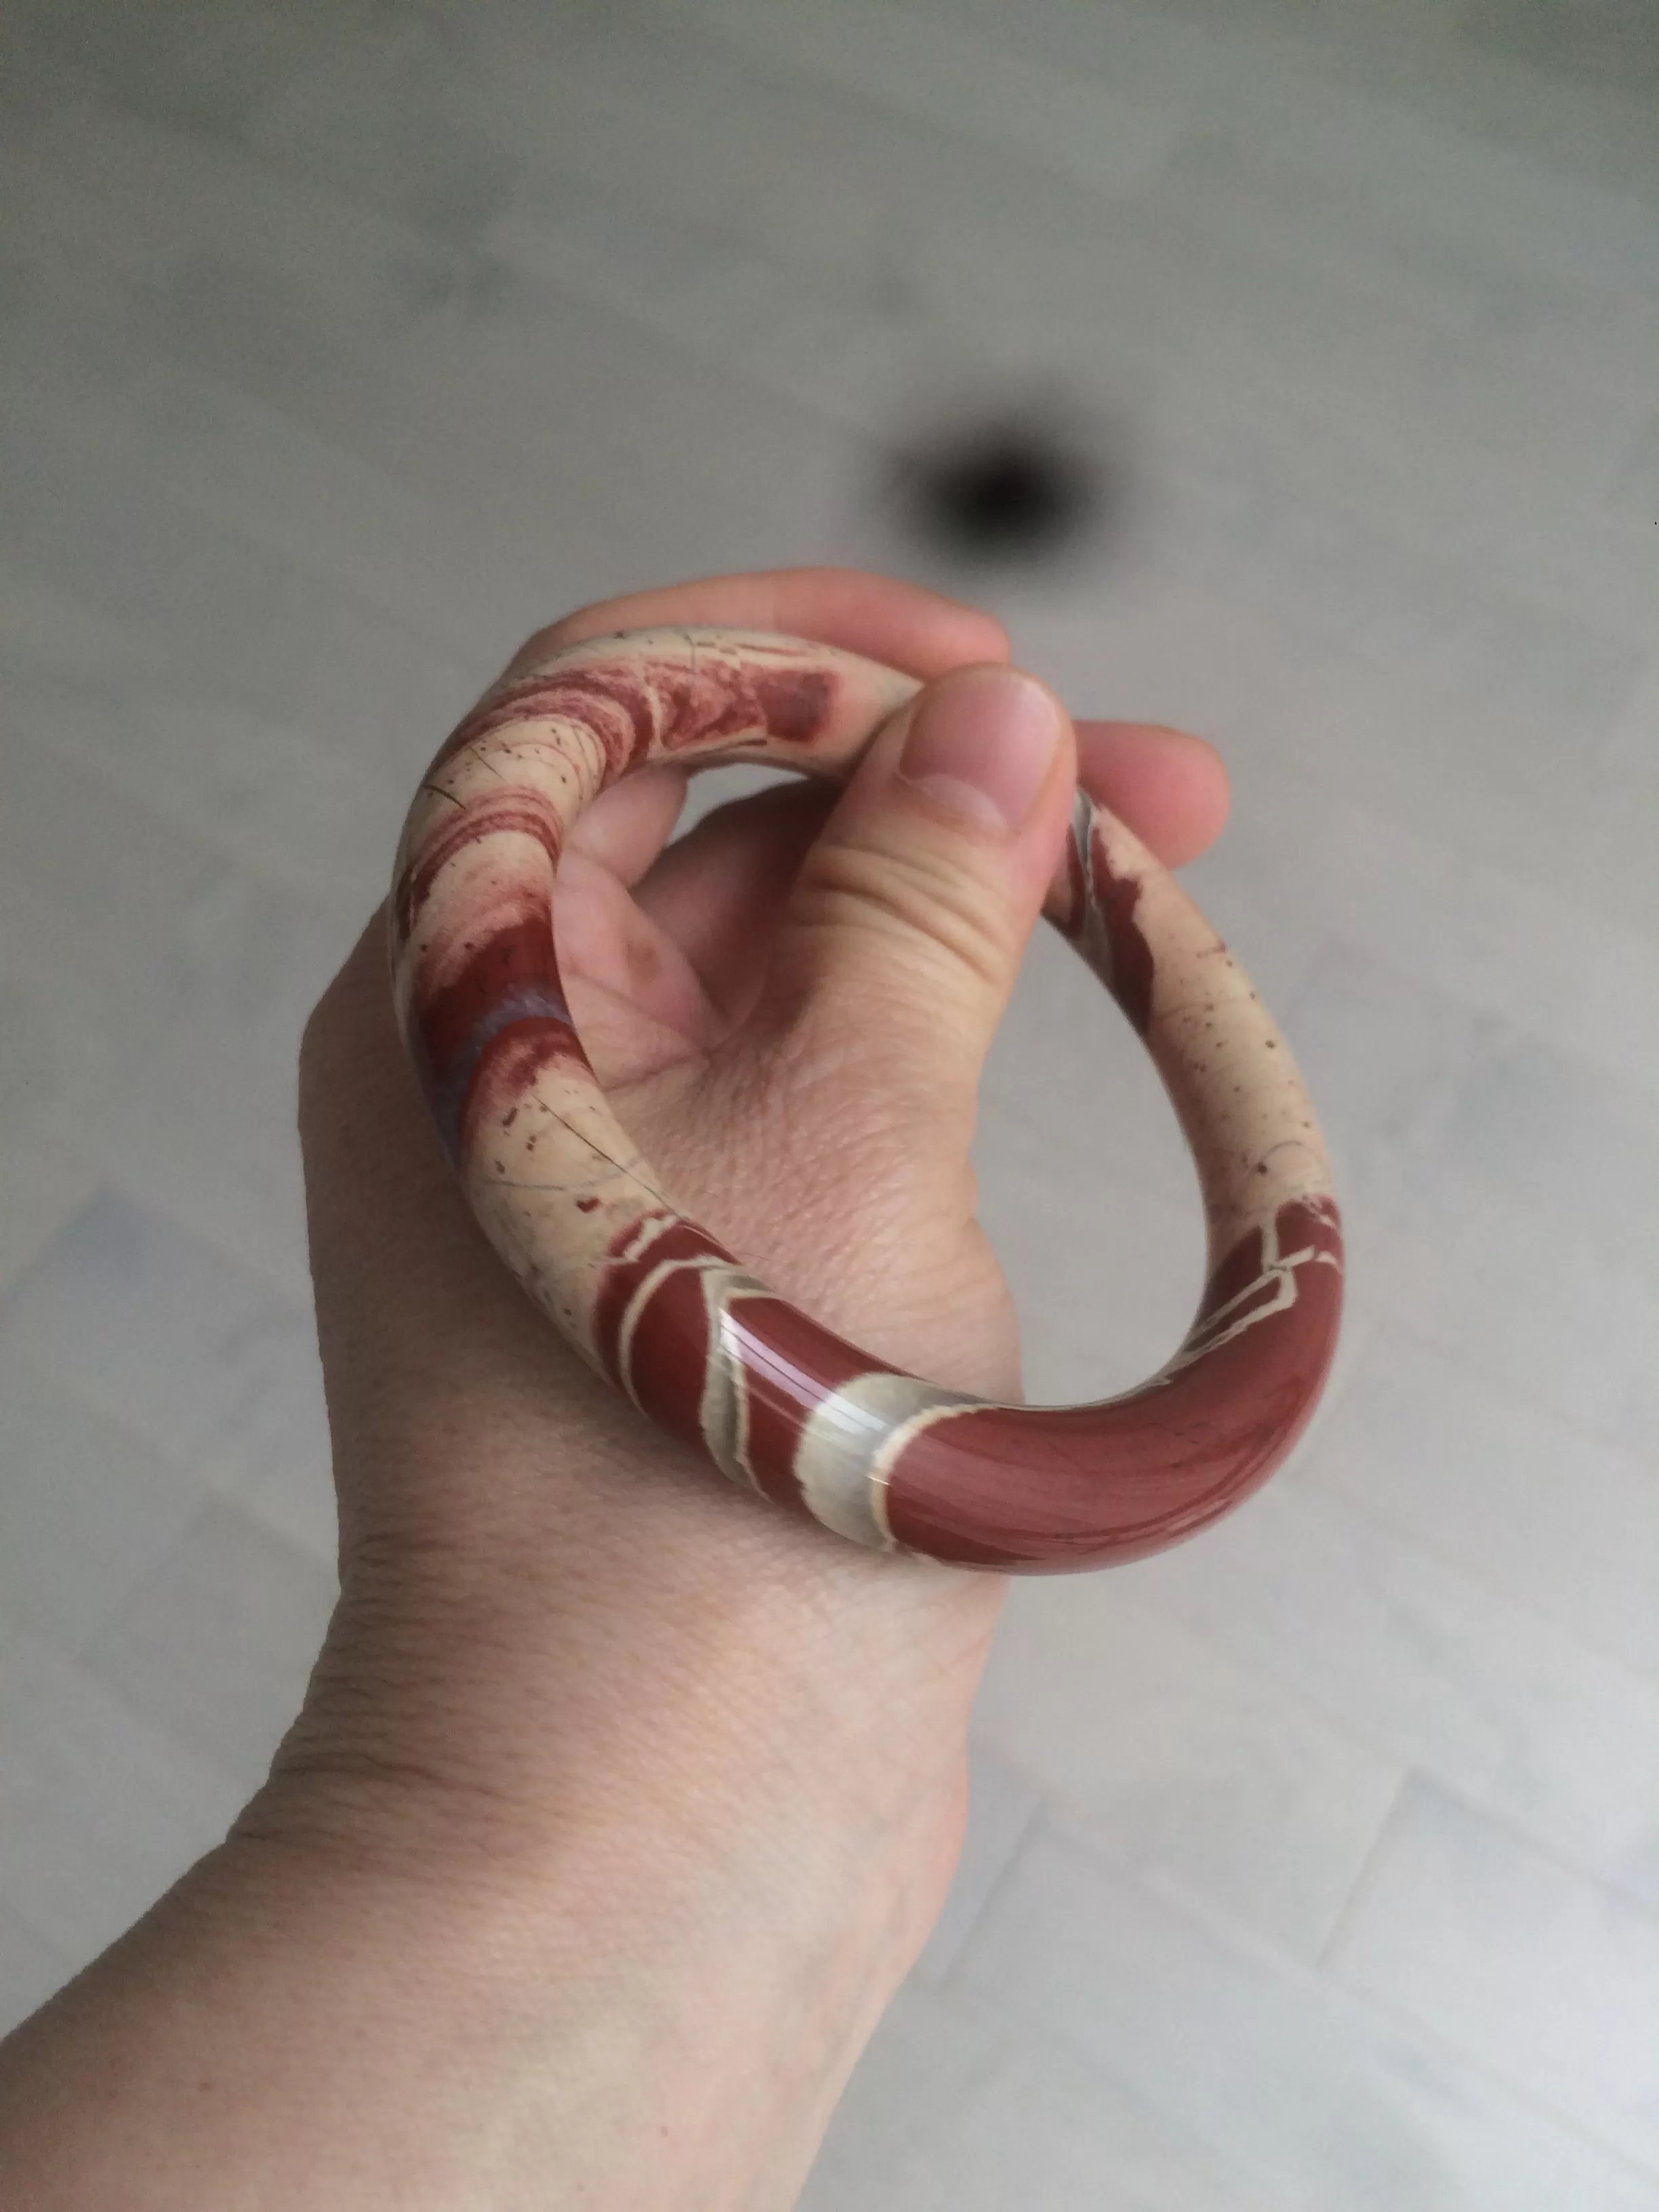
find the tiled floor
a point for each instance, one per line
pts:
(1314, 1866)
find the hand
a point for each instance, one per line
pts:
(789, 1010)
(695, 1767)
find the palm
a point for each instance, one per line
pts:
(845, 1202)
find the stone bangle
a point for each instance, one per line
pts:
(779, 1404)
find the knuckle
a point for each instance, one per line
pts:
(906, 896)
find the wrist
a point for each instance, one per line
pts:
(311, 2018)
(654, 2013)
(703, 1669)
(685, 1870)
(468, 1756)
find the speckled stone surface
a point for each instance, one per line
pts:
(777, 1403)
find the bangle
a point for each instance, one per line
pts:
(779, 1405)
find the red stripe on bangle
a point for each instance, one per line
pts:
(1061, 1488)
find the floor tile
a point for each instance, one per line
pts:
(88, 1508)
(217, 1645)
(1433, 1666)
(202, 1356)
(99, 1810)
(1230, 1791)
(1384, 1055)
(1553, 1133)
(275, 799)
(78, 848)
(999, 2114)
(1320, 2098)
(30, 1970)
(1533, 1507)
(1528, 1297)
(1512, 949)
(43, 1183)
(1538, 1973)
(202, 1129)
(890, 54)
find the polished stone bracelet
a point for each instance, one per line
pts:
(780, 1406)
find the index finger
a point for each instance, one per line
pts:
(903, 625)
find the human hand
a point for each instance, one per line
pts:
(669, 1784)
(789, 1010)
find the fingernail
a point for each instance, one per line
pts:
(983, 745)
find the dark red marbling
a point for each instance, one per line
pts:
(1060, 1489)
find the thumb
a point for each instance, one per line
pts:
(904, 932)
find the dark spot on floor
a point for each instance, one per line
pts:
(1025, 484)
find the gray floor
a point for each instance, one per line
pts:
(1316, 1865)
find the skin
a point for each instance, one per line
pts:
(618, 1807)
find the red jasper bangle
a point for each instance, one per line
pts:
(779, 1405)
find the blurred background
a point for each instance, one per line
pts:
(1285, 368)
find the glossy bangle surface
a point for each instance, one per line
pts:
(779, 1404)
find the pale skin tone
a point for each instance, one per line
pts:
(619, 1805)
